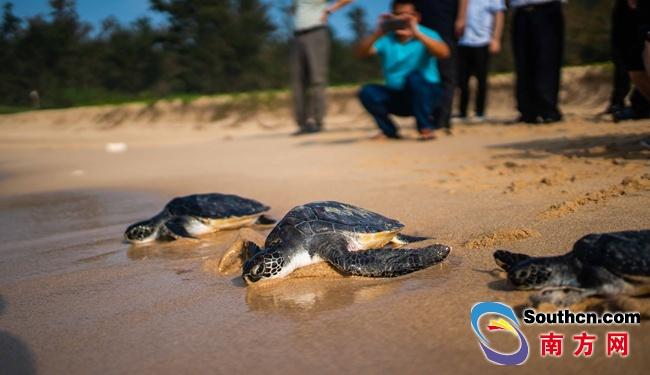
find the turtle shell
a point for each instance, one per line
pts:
(624, 253)
(214, 206)
(327, 217)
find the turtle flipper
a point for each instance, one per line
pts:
(506, 259)
(174, 229)
(403, 239)
(384, 262)
(249, 249)
(265, 220)
(561, 296)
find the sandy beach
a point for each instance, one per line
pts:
(75, 299)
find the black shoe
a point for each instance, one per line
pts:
(551, 119)
(305, 131)
(523, 119)
(624, 114)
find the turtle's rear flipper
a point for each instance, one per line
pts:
(506, 259)
(265, 220)
(383, 262)
(561, 296)
(403, 239)
(175, 228)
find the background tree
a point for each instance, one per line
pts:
(203, 47)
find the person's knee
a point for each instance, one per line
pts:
(368, 95)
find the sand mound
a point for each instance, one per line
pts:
(233, 258)
(628, 185)
(500, 237)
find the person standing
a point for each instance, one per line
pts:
(447, 18)
(309, 61)
(538, 45)
(482, 37)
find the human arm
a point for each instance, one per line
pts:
(366, 47)
(497, 32)
(437, 48)
(461, 17)
(333, 8)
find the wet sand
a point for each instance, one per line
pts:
(75, 299)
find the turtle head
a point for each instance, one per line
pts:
(144, 231)
(539, 273)
(263, 265)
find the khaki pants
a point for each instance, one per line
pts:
(309, 70)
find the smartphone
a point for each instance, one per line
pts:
(393, 24)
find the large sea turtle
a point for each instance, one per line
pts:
(606, 264)
(193, 215)
(350, 238)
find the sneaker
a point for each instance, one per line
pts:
(477, 119)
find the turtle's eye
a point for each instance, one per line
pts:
(256, 270)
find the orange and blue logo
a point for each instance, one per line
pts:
(507, 322)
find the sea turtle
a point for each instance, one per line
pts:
(605, 264)
(198, 214)
(350, 238)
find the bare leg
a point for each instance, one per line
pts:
(642, 82)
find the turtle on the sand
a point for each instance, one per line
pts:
(351, 239)
(607, 265)
(198, 214)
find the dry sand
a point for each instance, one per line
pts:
(75, 299)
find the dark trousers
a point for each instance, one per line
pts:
(418, 98)
(473, 62)
(309, 69)
(447, 69)
(623, 46)
(620, 16)
(538, 44)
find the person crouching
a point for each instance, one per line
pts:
(408, 53)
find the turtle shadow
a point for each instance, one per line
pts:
(184, 248)
(238, 282)
(501, 285)
(15, 356)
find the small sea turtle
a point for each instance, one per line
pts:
(606, 264)
(198, 214)
(349, 238)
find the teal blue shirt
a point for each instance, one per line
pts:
(400, 59)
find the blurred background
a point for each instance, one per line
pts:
(85, 52)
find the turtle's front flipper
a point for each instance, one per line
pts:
(265, 220)
(175, 228)
(249, 249)
(506, 259)
(403, 239)
(380, 262)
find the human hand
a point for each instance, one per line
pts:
(459, 27)
(495, 46)
(325, 17)
(412, 23)
(379, 29)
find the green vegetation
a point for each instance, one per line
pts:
(206, 47)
